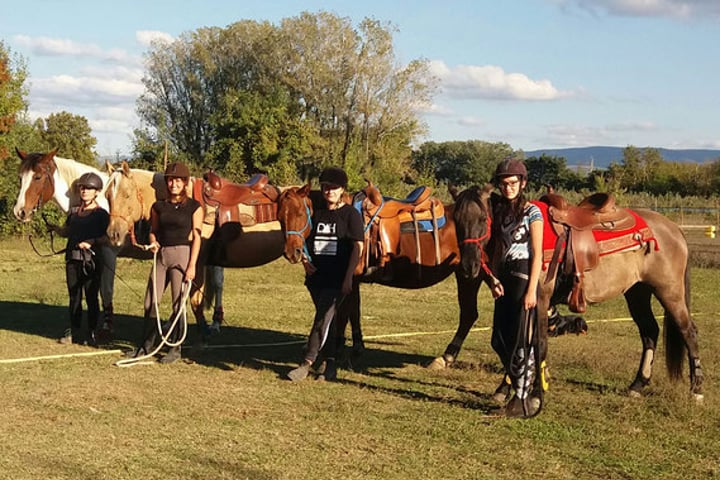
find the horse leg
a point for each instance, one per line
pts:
(108, 256)
(217, 278)
(197, 292)
(680, 334)
(467, 292)
(638, 302)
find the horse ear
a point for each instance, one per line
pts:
(125, 168)
(453, 190)
(52, 153)
(109, 168)
(487, 190)
(304, 191)
(20, 153)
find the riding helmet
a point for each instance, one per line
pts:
(510, 167)
(91, 180)
(334, 176)
(177, 169)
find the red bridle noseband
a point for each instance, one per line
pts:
(478, 241)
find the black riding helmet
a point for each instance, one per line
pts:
(90, 180)
(510, 167)
(334, 176)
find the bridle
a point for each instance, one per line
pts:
(301, 233)
(478, 242)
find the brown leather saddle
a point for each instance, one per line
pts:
(577, 247)
(387, 219)
(249, 203)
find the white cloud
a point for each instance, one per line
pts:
(471, 122)
(147, 37)
(492, 82)
(648, 8)
(86, 90)
(57, 47)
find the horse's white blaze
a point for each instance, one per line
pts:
(25, 180)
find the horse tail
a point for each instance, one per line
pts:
(675, 348)
(210, 287)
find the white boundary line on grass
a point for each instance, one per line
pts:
(276, 344)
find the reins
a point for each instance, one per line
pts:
(52, 241)
(180, 316)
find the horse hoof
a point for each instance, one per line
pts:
(523, 408)
(439, 363)
(634, 394)
(699, 398)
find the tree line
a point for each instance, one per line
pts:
(288, 99)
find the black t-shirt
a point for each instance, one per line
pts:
(174, 221)
(331, 243)
(85, 227)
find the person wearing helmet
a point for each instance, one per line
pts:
(85, 228)
(516, 246)
(334, 244)
(175, 227)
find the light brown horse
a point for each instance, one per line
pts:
(638, 274)
(131, 193)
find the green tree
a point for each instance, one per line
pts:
(461, 163)
(551, 170)
(71, 135)
(288, 99)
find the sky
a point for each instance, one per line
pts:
(531, 73)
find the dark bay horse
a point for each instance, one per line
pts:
(637, 273)
(131, 193)
(295, 207)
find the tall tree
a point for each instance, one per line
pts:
(13, 92)
(296, 97)
(71, 135)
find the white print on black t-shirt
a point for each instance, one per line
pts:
(326, 241)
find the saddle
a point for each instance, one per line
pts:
(584, 232)
(386, 219)
(249, 203)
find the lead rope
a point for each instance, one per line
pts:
(180, 315)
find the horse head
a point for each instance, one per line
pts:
(295, 215)
(127, 199)
(37, 185)
(472, 215)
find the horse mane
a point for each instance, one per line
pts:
(70, 170)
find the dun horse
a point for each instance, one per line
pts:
(232, 237)
(657, 266)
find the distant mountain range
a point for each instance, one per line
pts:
(602, 157)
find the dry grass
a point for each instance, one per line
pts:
(228, 413)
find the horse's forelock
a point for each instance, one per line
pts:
(31, 161)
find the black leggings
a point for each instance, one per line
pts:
(81, 279)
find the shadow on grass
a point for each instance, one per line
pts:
(233, 346)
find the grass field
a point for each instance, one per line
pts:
(226, 412)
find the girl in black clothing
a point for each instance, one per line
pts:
(335, 245)
(85, 229)
(175, 226)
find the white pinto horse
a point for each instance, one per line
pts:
(45, 177)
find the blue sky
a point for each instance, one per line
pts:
(531, 73)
